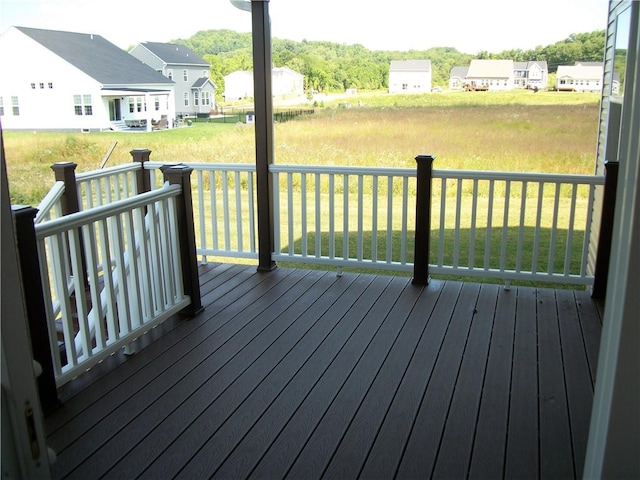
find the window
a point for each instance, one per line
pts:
(33, 86)
(185, 75)
(205, 73)
(196, 98)
(156, 103)
(1, 107)
(206, 98)
(15, 107)
(82, 105)
(50, 85)
(88, 108)
(136, 104)
(42, 85)
(186, 99)
(170, 73)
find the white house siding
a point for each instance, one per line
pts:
(579, 78)
(52, 107)
(496, 74)
(184, 93)
(284, 82)
(45, 108)
(537, 77)
(238, 85)
(409, 76)
(287, 82)
(149, 58)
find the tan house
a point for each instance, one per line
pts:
(491, 74)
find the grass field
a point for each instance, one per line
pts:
(515, 131)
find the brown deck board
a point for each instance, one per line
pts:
(296, 373)
(424, 441)
(490, 440)
(556, 451)
(521, 456)
(457, 442)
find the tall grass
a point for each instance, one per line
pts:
(515, 131)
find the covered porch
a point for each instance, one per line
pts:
(298, 373)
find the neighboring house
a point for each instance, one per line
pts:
(580, 78)
(284, 82)
(499, 75)
(531, 74)
(410, 76)
(491, 74)
(194, 91)
(76, 81)
(458, 77)
(238, 85)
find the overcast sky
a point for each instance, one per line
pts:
(470, 26)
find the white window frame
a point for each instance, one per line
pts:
(15, 106)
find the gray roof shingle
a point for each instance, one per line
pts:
(175, 54)
(100, 59)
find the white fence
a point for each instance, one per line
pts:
(511, 226)
(109, 274)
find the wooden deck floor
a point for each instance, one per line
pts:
(303, 374)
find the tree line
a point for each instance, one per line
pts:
(334, 67)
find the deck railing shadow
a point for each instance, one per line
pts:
(527, 256)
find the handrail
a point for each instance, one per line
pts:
(351, 220)
(76, 220)
(519, 176)
(50, 202)
(133, 279)
(107, 172)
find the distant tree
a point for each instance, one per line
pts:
(330, 66)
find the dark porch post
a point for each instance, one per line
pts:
(423, 220)
(66, 172)
(143, 176)
(23, 218)
(181, 175)
(261, 29)
(605, 236)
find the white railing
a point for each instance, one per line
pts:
(102, 187)
(344, 216)
(512, 226)
(51, 205)
(109, 274)
(486, 224)
(225, 215)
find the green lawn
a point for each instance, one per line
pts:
(517, 131)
